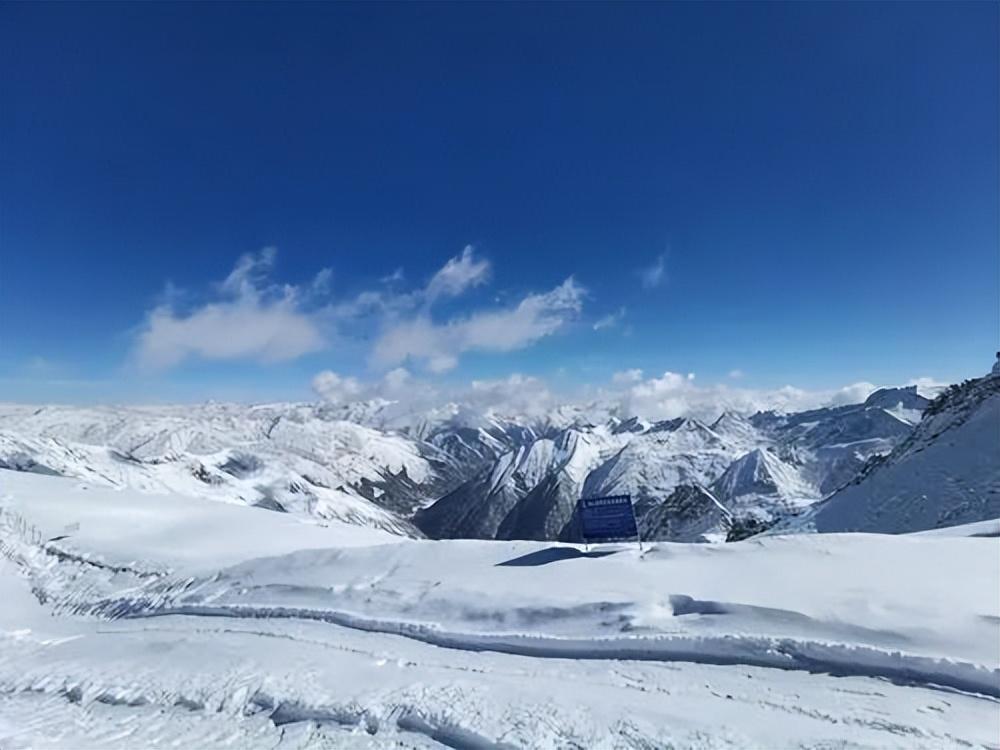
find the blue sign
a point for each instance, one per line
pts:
(607, 518)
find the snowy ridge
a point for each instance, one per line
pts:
(946, 473)
(739, 431)
(134, 620)
(691, 514)
(529, 492)
(773, 653)
(280, 457)
(760, 469)
(761, 484)
(458, 472)
(318, 584)
(655, 462)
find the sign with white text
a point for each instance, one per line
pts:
(607, 518)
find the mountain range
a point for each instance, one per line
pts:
(895, 462)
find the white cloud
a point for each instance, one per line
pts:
(396, 380)
(394, 277)
(610, 320)
(459, 274)
(266, 332)
(249, 320)
(438, 345)
(397, 384)
(675, 395)
(321, 282)
(627, 376)
(654, 275)
(736, 374)
(249, 273)
(336, 388)
(409, 396)
(667, 396)
(852, 394)
(515, 394)
(928, 387)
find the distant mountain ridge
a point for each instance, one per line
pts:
(456, 472)
(947, 472)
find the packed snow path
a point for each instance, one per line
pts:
(128, 621)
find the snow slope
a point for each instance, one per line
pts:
(529, 492)
(667, 455)
(946, 473)
(137, 627)
(759, 484)
(177, 532)
(283, 457)
(829, 446)
(758, 469)
(690, 514)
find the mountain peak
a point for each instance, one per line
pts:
(906, 397)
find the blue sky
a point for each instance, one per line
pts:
(762, 195)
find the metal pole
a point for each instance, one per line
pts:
(638, 534)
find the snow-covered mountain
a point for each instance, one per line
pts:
(831, 445)
(690, 514)
(689, 481)
(456, 471)
(738, 430)
(530, 492)
(761, 485)
(655, 462)
(947, 472)
(282, 457)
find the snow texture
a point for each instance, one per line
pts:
(146, 620)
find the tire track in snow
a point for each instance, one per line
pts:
(836, 659)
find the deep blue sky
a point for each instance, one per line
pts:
(822, 179)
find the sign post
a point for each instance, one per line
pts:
(608, 519)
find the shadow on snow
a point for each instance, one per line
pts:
(553, 554)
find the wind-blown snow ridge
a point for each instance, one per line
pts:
(614, 629)
(776, 653)
(134, 620)
(185, 597)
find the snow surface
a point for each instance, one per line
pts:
(140, 620)
(947, 472)
(285, 457)
(181, 533)
(990, 528)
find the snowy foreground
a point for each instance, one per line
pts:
(130, 620)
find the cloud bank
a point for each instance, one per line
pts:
(437, 346)
(672, 395)
(400, 330)
(628, 393)
(248, 317)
